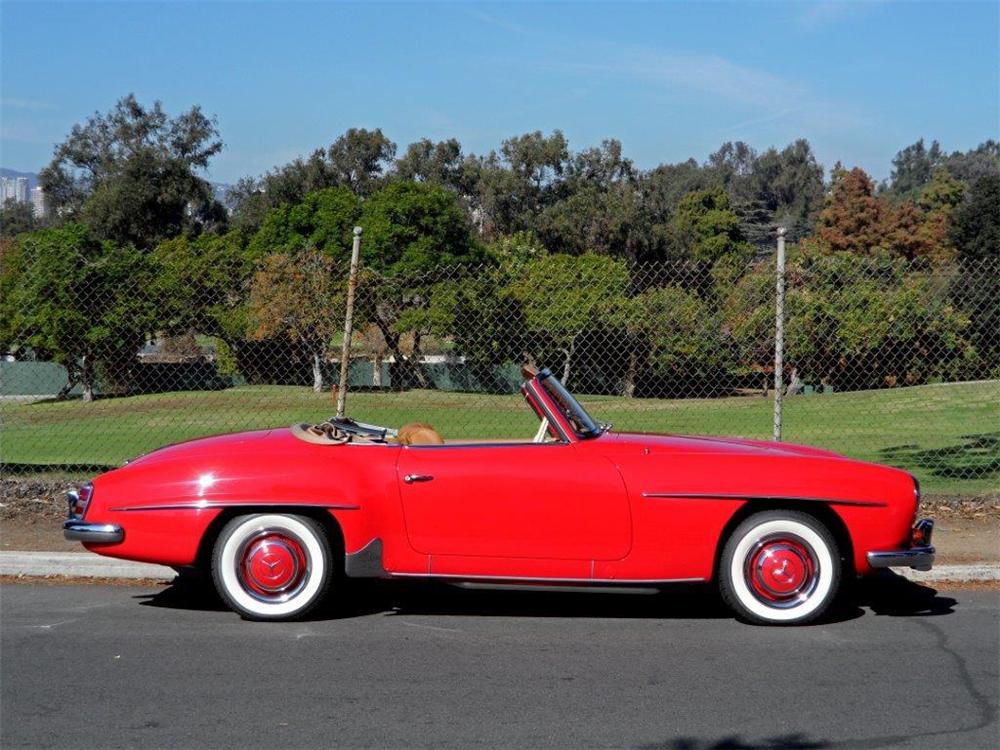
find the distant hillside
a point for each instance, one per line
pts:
(220, 188)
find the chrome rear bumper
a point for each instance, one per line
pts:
(99, 533)
(919, 557)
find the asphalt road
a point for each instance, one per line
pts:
(93, 666)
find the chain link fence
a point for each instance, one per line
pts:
(885, 359)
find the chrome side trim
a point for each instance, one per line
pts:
(516, 579)
(918, 558)
(96, 533)
(366, 562)
(201, 505)
(728, 496)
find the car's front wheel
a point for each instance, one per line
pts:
(780, 568)
(270, 566)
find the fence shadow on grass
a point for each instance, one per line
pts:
(976, 457)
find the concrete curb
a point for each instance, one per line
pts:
(960, 573)
(78, 565)
(89, 565)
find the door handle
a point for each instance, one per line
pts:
(411, 478)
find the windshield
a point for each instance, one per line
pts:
(582, 423)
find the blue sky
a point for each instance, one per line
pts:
(860, 80)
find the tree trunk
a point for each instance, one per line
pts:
(87, 380)
(404, 374)
(569, 360)
(377, 371)
(631, 373)
(317, 372)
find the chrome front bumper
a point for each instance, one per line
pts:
(98, 533)
(919, 557)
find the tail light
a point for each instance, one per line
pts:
(78, 500)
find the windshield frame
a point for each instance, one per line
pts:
(579, 420)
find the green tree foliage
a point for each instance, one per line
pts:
(132, 174)
(975, 233)
(976, 223)
(411, 228)
(519, 182)
(915, 165)
(323, 220)
(16, 218)
(562, 297)
(78, 301)
(358, 160)
(943, 192)
(705, 228)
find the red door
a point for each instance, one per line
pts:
(542, 501)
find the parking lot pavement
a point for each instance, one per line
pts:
(420, 666)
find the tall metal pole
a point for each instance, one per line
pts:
(345, 350)
(779, 332)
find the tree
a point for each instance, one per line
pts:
(913, 167)
(78, 301)
(359, 159)
(519, 182)
(441, 163)
(853, 219)
(706, 229)
(976, 222)
(299, 296)
(412, 231)
(16, 218)
(132, 173)
(975, 233)
(562, 297)
(323, 220)
(943, 192)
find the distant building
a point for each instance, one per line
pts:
(14, 189)
(38, 201)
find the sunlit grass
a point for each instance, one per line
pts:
(947, 434)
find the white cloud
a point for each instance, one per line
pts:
(33, 105)
(814, 14)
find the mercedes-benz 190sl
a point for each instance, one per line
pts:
(280, 516)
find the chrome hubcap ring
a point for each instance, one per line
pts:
(781, 570)
(272, 565)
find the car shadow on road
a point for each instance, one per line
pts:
(887, 594)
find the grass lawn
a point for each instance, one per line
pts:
(949, 435)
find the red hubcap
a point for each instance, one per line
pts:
(781, 571)
(272, 565)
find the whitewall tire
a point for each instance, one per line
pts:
(780, 568)
(270, 566)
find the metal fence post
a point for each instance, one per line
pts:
(345, 349)
(779, 332)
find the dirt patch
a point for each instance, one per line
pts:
(37, 499)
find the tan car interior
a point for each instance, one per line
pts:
(412, 433)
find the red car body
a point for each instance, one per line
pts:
(608, 508)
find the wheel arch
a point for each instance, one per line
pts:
(822, 512)
(335, 534)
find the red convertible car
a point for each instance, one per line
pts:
(279, 516)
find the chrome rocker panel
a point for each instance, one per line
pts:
(97, 533)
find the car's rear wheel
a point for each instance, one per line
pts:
(780, 568)
(270, 566)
